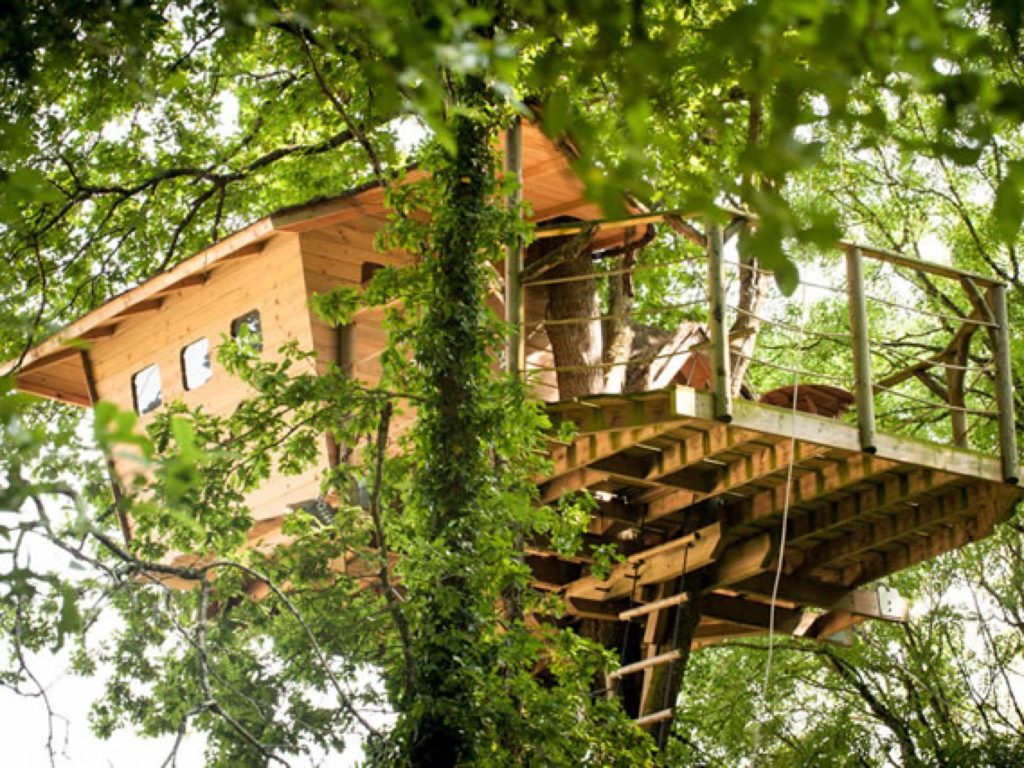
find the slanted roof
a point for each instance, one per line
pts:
(55, 368)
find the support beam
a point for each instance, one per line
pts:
(651, 566)
(882, 603)
(720, 365)
(515, 316)
(116, 491)
(827, 625)
(743, 560)
(861, 349)
(748, 613)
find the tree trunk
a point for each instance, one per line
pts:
(618, 329)
(576, 345)
(745, 327)
(451, 348)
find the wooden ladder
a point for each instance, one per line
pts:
(658, 654)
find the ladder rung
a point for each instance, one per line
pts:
(640, 666)
(655, 717)
(657, 605)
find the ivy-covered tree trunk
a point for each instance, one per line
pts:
(451, 349)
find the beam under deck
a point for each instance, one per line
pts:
(693, 500)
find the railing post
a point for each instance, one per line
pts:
(515, 354)
(862, 386)
(716, 324)
(1004, 383)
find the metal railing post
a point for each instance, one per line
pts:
(720, 370)
(1004, 383)
(863, 393)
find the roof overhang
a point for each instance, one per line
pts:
(56, 368)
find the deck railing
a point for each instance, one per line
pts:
(905, 345)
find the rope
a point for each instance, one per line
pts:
(785, 522)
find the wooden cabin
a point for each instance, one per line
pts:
(692, 482)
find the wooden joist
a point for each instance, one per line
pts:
(599, 413)
(809, 487)
(749, 613)
(651, 566)
(890, 492)
(954, 503)
(916, 549)
(594, 446)
(142, 307)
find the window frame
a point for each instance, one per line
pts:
(184, 364)
(159, 391)
(237, 322)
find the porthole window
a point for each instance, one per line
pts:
(248, 330)
(146, 389)
(196, 369)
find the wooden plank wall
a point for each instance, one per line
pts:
(333, 257)
(271, 282)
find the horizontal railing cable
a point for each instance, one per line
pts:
(608, 273)
(934, 361)
(929, 313)
(787, 369)
(661, 309)
(937, 403)
(837, 289)
(834, 335)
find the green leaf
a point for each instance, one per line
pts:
(787, 276)
(69, 620)
(1008, 207)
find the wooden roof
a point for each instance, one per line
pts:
(55, 369)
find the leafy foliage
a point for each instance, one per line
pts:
(134, 134)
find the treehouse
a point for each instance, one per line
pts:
(730, 476)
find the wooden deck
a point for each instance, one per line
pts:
(690, 499)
